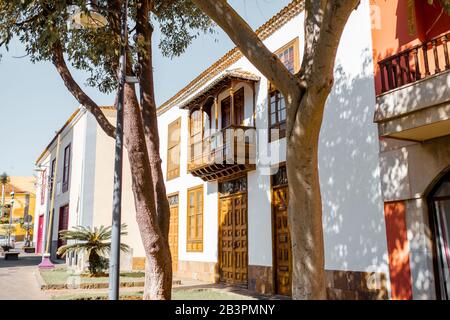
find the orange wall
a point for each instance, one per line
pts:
(391, 30)
(398, 249)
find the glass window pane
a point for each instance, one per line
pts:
(273, 119)
(282, 115)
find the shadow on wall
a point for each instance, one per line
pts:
(354, 227)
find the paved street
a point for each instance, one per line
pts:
(17, 279)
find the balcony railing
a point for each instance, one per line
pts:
(416, 63)
(234, 145)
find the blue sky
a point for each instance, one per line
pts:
(34, 103)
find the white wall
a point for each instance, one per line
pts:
(182, 184)
(353, 213)
(103, 188)
(354, 227)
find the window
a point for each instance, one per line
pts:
(196, 136)
(173, 150)
(52, 176)
(239, 107)
(289, 55)
(195, 220)
(277, 109)
(66, 169)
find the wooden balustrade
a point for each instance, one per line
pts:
(416, 63)
(231, 145)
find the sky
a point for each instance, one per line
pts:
(34, 102)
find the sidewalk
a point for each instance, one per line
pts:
(17, 279)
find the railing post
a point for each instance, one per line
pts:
(408, 67)
(389, 74)
(436, 58)
(394, 75)
(425, 57)
(383, 81)
(416, 62)
(399, 65)
(447, 60)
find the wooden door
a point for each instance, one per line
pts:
(282, 241)
(233, 239)
(63, 224)
(40, 234)
(173, 231)
(240, 238)
(226, 240)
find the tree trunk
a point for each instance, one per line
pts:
(305, 203)
(144, 31)
(158, 280)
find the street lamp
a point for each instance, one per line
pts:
(93, 20)
(89, 20)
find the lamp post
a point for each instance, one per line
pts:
(114, 261)
(95, 20)
(11, 208)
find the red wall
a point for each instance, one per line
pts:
(391, 30)
(398, 249)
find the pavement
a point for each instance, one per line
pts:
(18, 282)
(17, 278)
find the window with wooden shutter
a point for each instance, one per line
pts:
(66, 169)
(289, 55)
(195, 136)
(173, 150)
(195, 220)
(52, 176)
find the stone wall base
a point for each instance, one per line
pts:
(198, 270)
(260, 279)
(356, 285)
(341, 285)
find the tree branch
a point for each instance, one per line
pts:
(249, 43)
(324, 24)
(144, 31)
(335, 16)
(73, 87)
(314, 10)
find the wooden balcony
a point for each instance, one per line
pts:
(223, 154)
(414, 64)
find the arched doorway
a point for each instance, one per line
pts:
(439, 200)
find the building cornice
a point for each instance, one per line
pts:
(266, 30)
(72, 117)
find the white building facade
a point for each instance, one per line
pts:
(229, 218)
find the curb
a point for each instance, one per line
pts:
(39, 279)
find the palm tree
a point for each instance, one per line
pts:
(93, 242)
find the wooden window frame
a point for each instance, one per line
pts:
(66, 167)
(194, 244)
(173, 170)
(52, 176)
(273, 91)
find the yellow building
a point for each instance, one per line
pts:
(24, 204)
